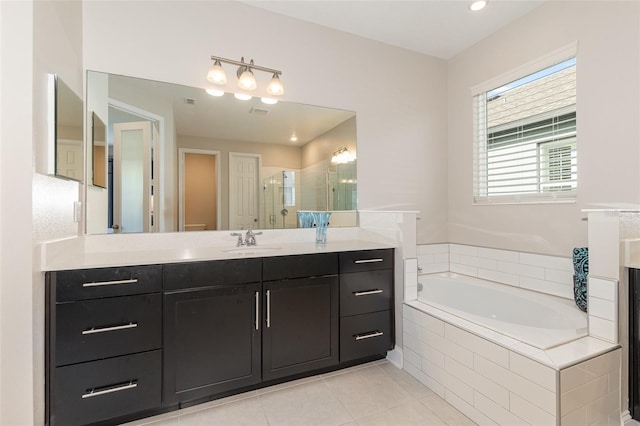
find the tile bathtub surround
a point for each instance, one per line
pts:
(370, 394)
(603, 309)
(492, 383)
(590, 391)
(433, 258)
(547, 274)
(410, 279)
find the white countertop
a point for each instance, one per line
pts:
(145, 249)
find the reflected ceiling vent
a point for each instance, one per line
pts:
(258, 111)
(189, 101)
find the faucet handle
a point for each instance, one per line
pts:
(241, 241)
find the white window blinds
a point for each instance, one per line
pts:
(525, 138)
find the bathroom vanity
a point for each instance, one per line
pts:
(126, 342)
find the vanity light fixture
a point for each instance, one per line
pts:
(216, 74)
(246, 78)
(342, 156)
(294, 138)
(269, 101)
(478, 5)
(242, 96)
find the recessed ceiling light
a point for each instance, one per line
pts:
(242, 96)
(478, 5)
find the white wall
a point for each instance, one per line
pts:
(36, 38)
(608, 108)
(401, 125)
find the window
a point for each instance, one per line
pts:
(525, 139)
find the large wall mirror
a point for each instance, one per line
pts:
(67, 130)
(179, 159)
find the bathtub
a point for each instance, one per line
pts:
(540, 320)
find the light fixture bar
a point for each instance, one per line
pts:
(246, 64)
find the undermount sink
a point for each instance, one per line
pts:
(252, 250)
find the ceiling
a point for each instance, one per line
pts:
(440, 28)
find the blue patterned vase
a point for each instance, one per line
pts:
(581, 271)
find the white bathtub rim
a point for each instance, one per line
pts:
(536, 336)
(558, 357)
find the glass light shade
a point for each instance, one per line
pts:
(247, 80)
(275, 87)
(269, 101)
(242, 96)
(214, 92)
(216, 74)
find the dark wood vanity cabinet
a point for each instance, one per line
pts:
(104, 341)
(124, 343)
(300, 331)
(366, 304)
(212, 336)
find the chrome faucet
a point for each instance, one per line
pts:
(250, 238)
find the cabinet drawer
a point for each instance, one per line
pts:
(362, 292)
(93, 329)
(299, 266)
(366, 260)
(100, 390)
(179, 276)
(81, 284)
(365, 335)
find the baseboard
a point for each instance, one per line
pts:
(395, 356)
(626, 420)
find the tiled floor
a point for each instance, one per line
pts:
(376, 393)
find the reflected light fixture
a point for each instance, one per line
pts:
(269, 101)
(214, 92)
(478, 5)
(242, 96)
(342, 156)
(246, 78)
(294, 138)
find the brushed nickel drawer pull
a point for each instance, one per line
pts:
(367, 292)
(94, 330)
(268, 308)
(368, 261)
(127, 385)
(368, 335)
(101, 283)
(257, 310)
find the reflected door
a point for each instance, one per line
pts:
(243, 190)
(132, 189)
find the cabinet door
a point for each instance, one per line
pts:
(211, 341)
(300, 332)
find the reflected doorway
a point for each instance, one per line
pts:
(199, 187)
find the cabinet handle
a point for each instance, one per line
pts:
(368, 261)
(368, 335)
(257, 310)
(367, 292)
(268, 308)
(100, 283)
(127, 385)
(94, 330)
